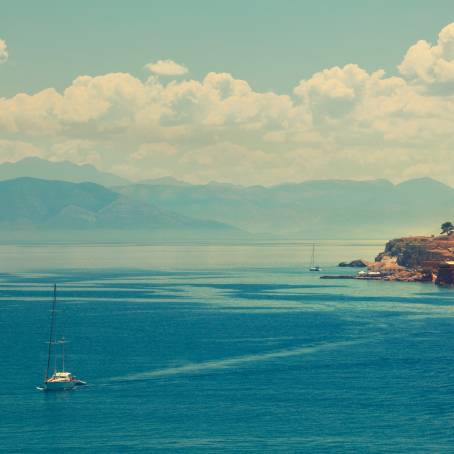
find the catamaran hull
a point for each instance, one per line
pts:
(59, 386)
(62, 386)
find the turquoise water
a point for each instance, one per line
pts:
(223, 348)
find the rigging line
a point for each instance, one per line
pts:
(52, 329)
(62, 321)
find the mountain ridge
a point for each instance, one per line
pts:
(313, 209)
(30, 203)
(36, 167)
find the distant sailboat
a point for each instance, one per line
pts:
(60, 380)
(313, 266)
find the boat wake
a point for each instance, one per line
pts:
(237, 361)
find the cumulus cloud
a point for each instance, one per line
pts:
(154, 150)
(431, 64)
(167, 68)
(3, 51)
(341, 122)
(78, 151)
(14, 150)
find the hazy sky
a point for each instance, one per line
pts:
(240, 91)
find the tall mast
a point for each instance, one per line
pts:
(52, 330)
(62, 342)
(63, 354)
(313, 255)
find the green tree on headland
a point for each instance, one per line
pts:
(447, 228)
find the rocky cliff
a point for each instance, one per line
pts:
(412, 259)
(417, 258)
(417, 252)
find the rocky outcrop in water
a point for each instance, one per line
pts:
(354, 264)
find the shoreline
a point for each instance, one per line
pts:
(411, 259)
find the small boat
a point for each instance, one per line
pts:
(60, 380)
(371, 275)
(313, 266)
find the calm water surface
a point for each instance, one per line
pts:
(223, 348)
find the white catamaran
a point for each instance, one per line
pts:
(60, 380)
(313, 266)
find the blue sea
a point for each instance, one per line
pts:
(223, 348)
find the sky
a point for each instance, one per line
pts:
(256, 92)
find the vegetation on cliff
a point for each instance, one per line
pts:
(447, 228)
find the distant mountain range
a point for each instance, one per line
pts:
(33, 204)
(165, 181)
(313, 209)
(60, 170)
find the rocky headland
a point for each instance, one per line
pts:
(415, 259)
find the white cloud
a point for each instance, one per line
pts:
(167, 68)
(154, 150)
(3, 51)
(342, 122)
(14, 150)
(25, 114)
(78, 151)
(429, 64)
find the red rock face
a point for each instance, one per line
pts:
(419, 252)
